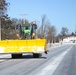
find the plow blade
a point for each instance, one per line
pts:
(23, 46)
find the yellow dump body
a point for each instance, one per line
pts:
(22, 46)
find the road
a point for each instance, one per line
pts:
(60, 60)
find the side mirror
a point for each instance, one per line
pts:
(35, 26)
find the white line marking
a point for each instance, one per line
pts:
(50, 68)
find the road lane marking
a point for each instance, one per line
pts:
(50, 68)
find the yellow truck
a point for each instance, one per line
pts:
(27, 43)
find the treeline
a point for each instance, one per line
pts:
(10, 27)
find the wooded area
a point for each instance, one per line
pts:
(10, 27)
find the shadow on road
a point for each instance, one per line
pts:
(31, 57)
(23, 57)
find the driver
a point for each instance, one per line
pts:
(27, 30)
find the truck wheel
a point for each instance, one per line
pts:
(37, 55)
(16, 55)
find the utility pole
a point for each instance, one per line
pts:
(1, 14)
(0, 28)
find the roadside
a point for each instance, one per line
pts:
(53, 45)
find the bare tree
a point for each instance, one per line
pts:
(51, 33)
(42, 32)
(3, 7)
(64, 32)
(47, 30)
(15, 23)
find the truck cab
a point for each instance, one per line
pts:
(28, 31)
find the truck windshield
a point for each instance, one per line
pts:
(25, 27)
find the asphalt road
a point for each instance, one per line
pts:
(60, 60)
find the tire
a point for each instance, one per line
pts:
(37, 55)
(16, 55)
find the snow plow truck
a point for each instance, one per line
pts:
(27, 43)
